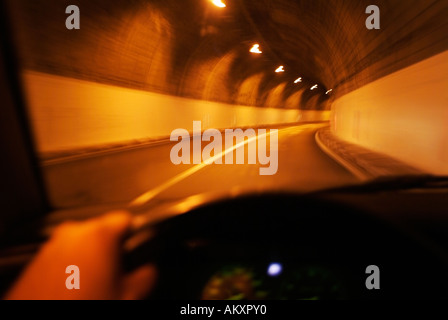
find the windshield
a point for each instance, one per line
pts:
(138, 101)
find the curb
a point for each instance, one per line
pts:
(354, 170)
(87, 153)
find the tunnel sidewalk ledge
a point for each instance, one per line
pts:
(64, 156)
(363, 163)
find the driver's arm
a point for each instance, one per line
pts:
(94, 247)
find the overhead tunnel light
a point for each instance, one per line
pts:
(328, 91)
(256, 49)
(280, 69)
(314, 87)
(298, 80)
(218, 3)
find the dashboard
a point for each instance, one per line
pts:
(295, 247)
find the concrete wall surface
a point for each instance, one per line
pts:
(68, 114)
(404, 115)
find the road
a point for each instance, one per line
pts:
(147, 171)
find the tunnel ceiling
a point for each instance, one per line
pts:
(194, 49)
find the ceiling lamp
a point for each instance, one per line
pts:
(219, 3)
(256, 48)
(280, 69)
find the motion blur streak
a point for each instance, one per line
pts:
(147, 196)
(121, 177)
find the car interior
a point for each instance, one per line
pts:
(260, 244)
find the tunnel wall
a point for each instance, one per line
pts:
(404, 115)
(69, 114)
(188, 48)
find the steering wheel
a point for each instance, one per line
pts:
(287, 247)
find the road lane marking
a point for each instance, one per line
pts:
(147, 196)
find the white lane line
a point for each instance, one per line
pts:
(147, 196)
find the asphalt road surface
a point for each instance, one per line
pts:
(146, 173)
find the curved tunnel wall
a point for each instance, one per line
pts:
(179, 70)
(72, 114)
(191, 49)
(188, 49)
(404, 115)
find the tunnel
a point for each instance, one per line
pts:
(172, 62)
(128, 73)
(273, 129)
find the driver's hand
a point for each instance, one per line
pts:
(94, 247)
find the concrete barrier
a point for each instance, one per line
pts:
(69, 114)
(404, 115)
